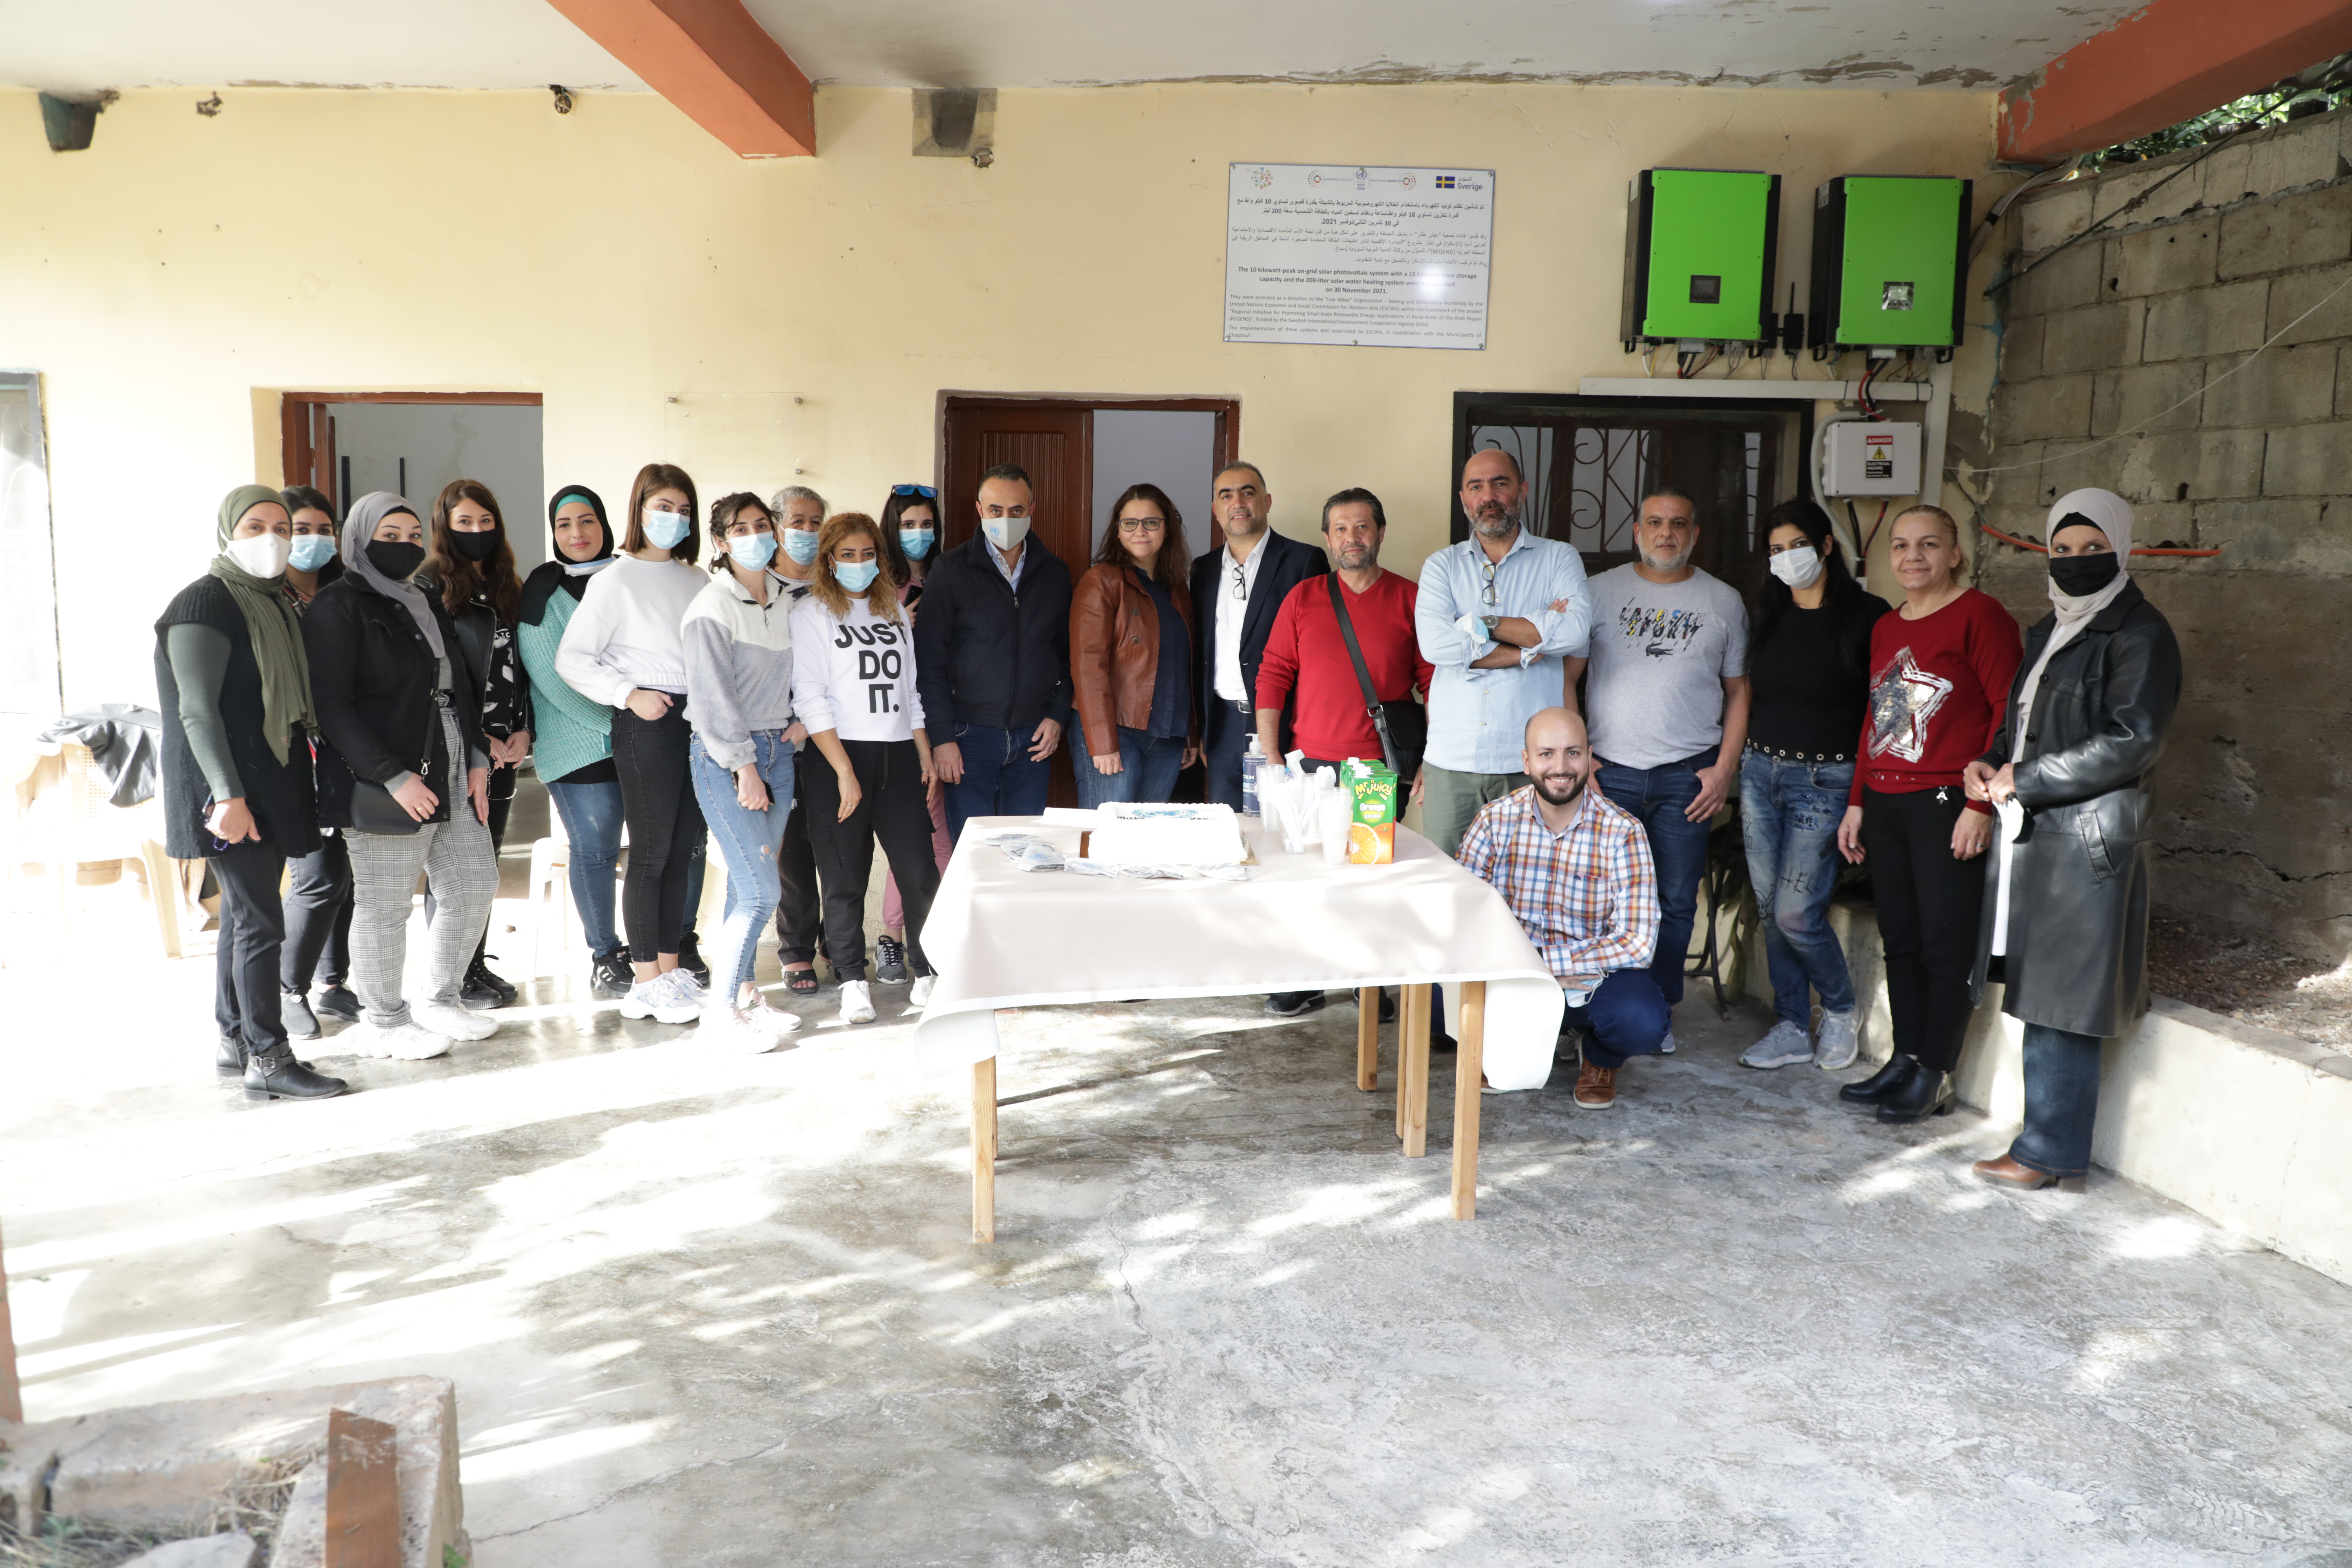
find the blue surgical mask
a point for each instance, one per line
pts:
(915, 541)
(664, 528)
(311, 552)
(856, 575)
(752, 550)
(800, 544)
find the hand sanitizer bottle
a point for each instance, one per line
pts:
(1251, 761)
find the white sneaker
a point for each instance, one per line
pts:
(688, 986)
(440, 1018)
(1840, 1040)
(1666, 1045)
(918, 995)
(1785, 1045)
(406, 1043)
(772, 1022)
(660, 1000)
(724, 1030)
(856, 1003)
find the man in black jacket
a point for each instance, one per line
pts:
(1235, 593)
(992, 658)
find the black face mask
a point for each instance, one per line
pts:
(397, 562)
(2078, 575)
(473, 546)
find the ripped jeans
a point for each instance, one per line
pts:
(1789, 816)
(750, 842)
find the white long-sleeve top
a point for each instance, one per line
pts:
(854, 676)
(626, 635)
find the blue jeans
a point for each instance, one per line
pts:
(1625, 1017)
(592, 820)
(1148, 767)
(1788, 814)
(751, 842)
(999, 777)
(1658, 797)
(2061, 1102)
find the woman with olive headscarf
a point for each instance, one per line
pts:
(2065, 908)
(405, 769)
(234, 689)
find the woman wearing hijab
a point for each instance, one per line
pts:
(404, 770)
(237, 712)
(471, 567)
(625, 648)
(2066, 922)
(573, 736)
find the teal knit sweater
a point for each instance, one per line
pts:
(574, 731)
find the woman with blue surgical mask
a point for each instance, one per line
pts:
(625, 648)
(910, 537)
(799, 512)
(739, 673)
(853, 687)
(318, 950)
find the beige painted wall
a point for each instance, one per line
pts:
(618, 257)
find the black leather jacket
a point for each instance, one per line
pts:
(505, 695)
(2078, 890)
(373, 679)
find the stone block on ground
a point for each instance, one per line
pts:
(234, 1550)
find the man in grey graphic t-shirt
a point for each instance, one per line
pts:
(1666, 698)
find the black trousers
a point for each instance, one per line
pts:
(890, 808)
(318, 918)
(252, 934)
(799, 914)
(1928, 908)
(665, 825)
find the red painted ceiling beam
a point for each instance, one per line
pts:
(2162, 64)
(715, 63)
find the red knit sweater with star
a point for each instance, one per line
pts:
(1937, 687)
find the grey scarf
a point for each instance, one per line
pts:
(359, 527)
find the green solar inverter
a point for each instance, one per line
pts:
(1890, 262)
(1699, 247)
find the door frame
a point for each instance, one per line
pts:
(1228, 435)
(307, 432)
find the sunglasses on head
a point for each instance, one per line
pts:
(926, 492)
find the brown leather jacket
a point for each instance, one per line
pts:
(1114, 653)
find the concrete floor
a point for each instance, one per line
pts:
(711, 1309)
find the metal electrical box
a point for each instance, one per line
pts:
(1870, 458)
(1890, 262)
(1699, 247)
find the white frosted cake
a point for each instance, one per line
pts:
(1167, 835)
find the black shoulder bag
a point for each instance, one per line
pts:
(1402, 725)
(372, 808)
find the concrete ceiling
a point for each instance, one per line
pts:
(84, 44)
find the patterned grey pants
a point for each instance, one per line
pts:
(463, 868)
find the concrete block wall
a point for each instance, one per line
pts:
(2128, 362)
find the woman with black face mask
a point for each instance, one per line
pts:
(405, 768)
(2065, 905)
(471, 567)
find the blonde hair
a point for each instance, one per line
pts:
(883, 596)
(1921, 509)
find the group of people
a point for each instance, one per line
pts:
(354, 699)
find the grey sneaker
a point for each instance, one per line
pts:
(1666, 1045)
(1840, 1041)
(1783, 1047)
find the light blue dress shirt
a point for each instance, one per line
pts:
(1010, 571)
(1477, 717)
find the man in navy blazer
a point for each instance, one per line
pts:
(1235, 593)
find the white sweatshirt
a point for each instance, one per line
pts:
(624, 634)
(854, 677)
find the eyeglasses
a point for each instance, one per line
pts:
(1241, 583)
(926, 492)
(1141, 524)
(1488, 567)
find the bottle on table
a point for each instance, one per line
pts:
(1251, 761)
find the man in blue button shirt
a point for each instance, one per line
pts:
(1487, 622)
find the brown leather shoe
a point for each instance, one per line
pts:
(1596, 1088)
(2007, 1173)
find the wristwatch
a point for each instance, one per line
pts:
(1491, 622)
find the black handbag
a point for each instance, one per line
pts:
(372, 808)
(1402, 725)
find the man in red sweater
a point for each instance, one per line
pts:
(1307, 656)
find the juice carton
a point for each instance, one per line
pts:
(1371, 833)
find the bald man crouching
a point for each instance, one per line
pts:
(1575, 869)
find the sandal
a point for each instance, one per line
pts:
(801, 982)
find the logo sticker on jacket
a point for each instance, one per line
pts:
(1903, 697)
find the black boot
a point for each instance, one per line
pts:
(1925, 1093)
(689, 958)
(1882, 1083)
(230, 1060)
(336, 1001)
(294, 1013)
(485, 989)
(276, 1075)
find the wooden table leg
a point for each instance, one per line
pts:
(1412, 1024)
(984, 1149)
(12, 1402)
(1412, 1078)
(1368, 1037)
(1469, 1068)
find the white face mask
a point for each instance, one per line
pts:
(260, 554)
(1004, 532)
(1799, 567)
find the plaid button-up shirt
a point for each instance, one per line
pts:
(1588, 896)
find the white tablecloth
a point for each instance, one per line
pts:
(1003, 938)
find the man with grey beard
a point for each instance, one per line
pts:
(1496, 613)
(1667, 701)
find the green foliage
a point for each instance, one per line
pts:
(452, 1558)
(2267, 107)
